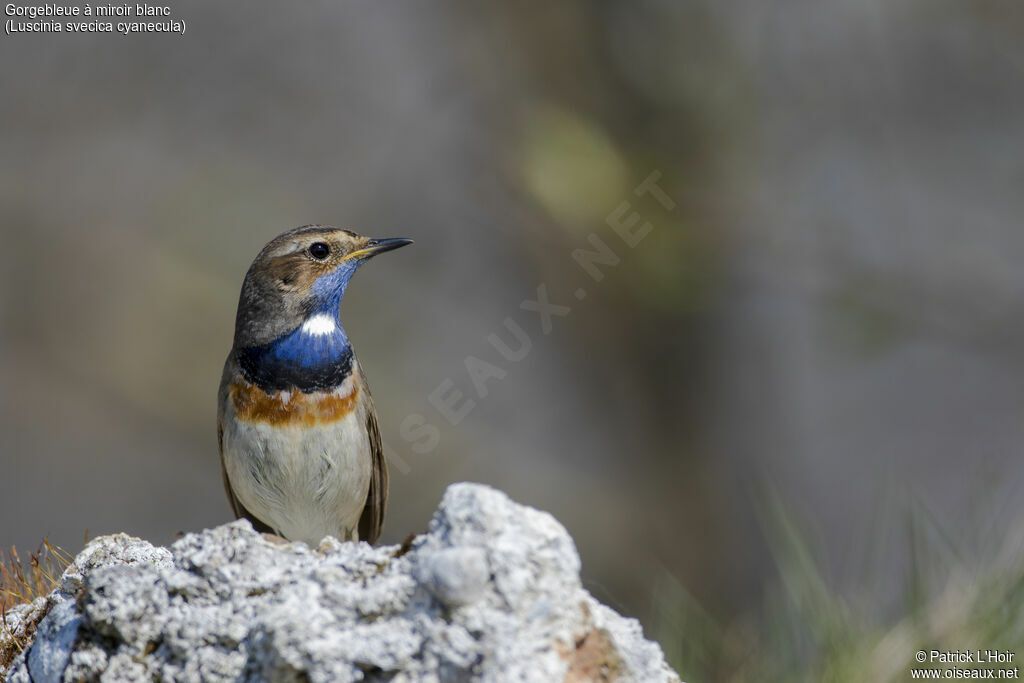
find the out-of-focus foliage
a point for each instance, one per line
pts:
(808, 630)
(569, 163)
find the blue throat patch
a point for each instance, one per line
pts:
(298, 360)
(304, 359)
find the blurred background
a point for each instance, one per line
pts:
(822, 335)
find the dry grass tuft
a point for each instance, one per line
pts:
(22, 583)
(19, 583)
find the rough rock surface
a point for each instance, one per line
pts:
(491, 593)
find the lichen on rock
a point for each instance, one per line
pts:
(490, 592)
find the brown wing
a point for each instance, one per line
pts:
(236, 506)
(372, 519)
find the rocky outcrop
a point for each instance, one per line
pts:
(491, 593)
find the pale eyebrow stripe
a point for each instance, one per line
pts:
(288, 248)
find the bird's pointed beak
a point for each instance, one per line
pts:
(374, 247)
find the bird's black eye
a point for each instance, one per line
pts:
(319, 250)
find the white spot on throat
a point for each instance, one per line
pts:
(319, 325)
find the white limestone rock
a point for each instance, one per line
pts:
(491, 592)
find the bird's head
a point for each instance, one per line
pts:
(300, 274)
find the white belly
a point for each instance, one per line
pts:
(306, 482)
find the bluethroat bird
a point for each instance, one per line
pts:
(300, 448)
